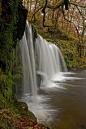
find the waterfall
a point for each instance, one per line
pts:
(50, 60)
(49, 63)
(29, 82)
(43, 61)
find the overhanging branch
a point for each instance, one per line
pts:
(72, 23)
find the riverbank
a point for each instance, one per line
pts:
(15, 115)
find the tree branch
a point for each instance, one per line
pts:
(43, 11)
(54, 7)
(72, 23)
(36, 12)
(73, 3)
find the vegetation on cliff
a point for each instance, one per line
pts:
(67, 43)
(13, 114)
(63, 23)
(51, 24)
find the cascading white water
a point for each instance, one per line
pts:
(28, 61)
(58, 59)
(49, 59)
(45, 62)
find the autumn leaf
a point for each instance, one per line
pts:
(30, 128)
(4, 110)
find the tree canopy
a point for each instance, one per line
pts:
(68, 15)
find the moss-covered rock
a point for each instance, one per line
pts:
(22, 16)
(35, 32)
(12, 25)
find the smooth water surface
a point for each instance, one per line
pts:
(68, 102)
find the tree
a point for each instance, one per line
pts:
(69, 16)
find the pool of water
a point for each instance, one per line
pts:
(68, 103)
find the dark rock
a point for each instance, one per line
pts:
(22, 16)
(7, 15)
(13, 17)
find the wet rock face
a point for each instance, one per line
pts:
(13, 17)
(8, 9)
(22, 16)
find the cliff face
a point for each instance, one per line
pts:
(12, 25)
(22, 15)
(10, 9)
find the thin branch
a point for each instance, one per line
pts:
(44, 13)
(72, 23)
(54, 7)
(36, 12)
(72, 3)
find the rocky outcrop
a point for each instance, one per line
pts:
(22, 15)
(10, 9)
(12, 25)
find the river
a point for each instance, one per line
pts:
(68, 103)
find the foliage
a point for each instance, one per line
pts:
(14, 116)
(8, 22)
(70, 17)
(7, 38)
(35, 32)
(7, 45)
(10, 108)
(6, 85)
(28, 123)
(70, 24)
(23, 110)
(68, 45)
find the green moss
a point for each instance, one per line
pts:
(35, 32)
(67, 44)
(10, 108)
(23, 110)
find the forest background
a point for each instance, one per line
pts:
(61, 22)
